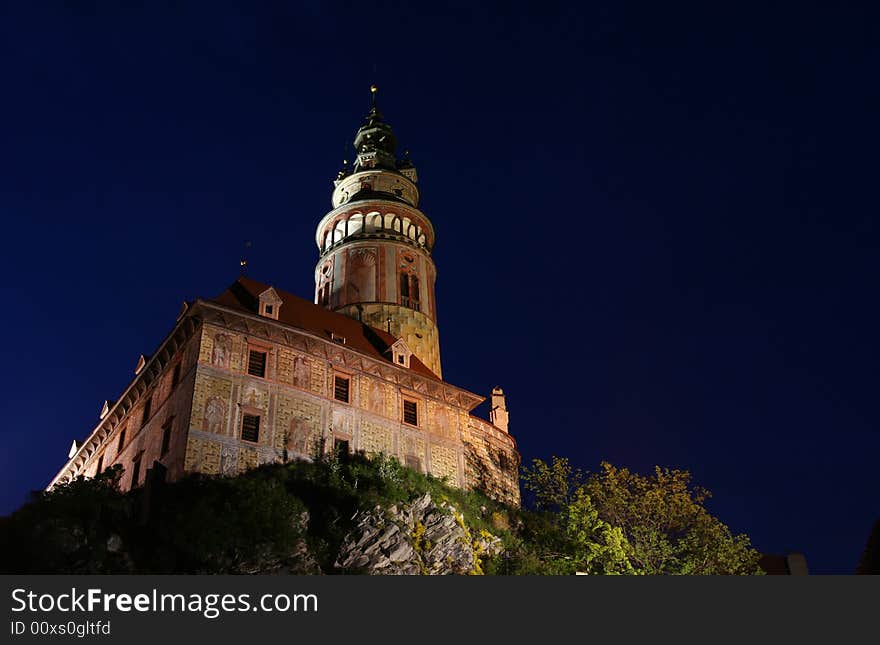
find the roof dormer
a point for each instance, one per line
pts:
(270, 303)
(400, 353)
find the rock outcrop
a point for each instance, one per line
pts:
(420, 538)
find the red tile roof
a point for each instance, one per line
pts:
(244, 294)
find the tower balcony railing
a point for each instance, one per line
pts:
(374, 226)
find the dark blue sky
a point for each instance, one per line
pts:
(657, 226)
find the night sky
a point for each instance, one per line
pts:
(657, 226)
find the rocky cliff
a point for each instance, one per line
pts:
(418, 538)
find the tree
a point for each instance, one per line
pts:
(618, 521)
(68, 528)
(553, 484)
(598, 547)
(667, 526)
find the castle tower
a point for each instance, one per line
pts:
(375, 245)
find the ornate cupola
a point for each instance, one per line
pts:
(375, 244)
(375, 142)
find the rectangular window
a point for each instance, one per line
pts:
(100, 467)
(147, 408)
(340, 388)
(166, 436)
(121, 443)
(414, 292)
(340, 447)
(250, 428)
(175, 376)
(135, 471)
(410, 412)
(409, 291)
(257, 363)
(269, 310)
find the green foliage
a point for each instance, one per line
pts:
(619, 522)
(390, 470)
(610, 522)
(226, 525)
(599, 548)
(538, 545)
(668, 527)
(69, 529)
(552, 484)
(420, 545)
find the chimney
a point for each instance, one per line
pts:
(498, 416)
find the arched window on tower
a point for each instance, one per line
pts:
(325, 282)
(410, 295)
(355, 224)
(324, 295)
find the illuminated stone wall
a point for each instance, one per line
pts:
(298, 413)
(491, 461)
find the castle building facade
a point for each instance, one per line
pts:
(258, 375)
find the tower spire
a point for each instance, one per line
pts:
(374, 142)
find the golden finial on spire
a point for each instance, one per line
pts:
(373, 90)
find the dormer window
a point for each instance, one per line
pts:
(270, 303)
(400, 353)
